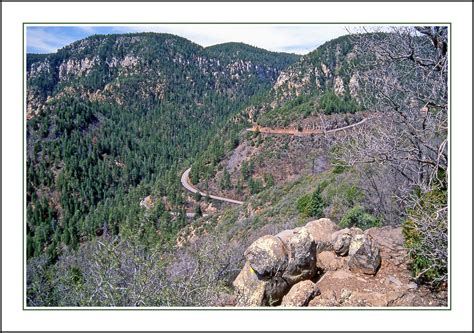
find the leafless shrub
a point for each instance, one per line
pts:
(115, 272)
(403, 75)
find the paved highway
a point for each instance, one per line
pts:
(285, 131)
(190, 187)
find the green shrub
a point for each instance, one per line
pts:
(352, 194)
(358, 217)
(311, 205)
(426, 237)
(225, 180)
(330, 103)
(302, 203)
(269, 180)
(338, 169)
(255, 185)
(197, 196)
(198, 211)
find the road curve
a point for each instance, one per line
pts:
(285, 131)
(190, 187)
(290, 131)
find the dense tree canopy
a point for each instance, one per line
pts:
(124, 127)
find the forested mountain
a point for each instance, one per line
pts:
(151, 66)
(325, 79)
(114, 117)
(354, 131)
(323, 82)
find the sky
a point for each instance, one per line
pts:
(299, 39)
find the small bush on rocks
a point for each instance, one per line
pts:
(358, 217)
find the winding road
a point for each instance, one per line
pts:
(291, 131)
(190, 187)
(285, 131)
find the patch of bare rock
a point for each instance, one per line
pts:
(321, 265)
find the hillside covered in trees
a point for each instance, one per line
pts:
(117, 117)
(114, 120)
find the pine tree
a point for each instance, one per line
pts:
(225, 180)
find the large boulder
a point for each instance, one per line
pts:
(280, 270)
(275, 289)
(252, 291)
(321, 230)
(341, 240)
(249, 289)
(267, 257)
(391, 243)
(300, 294)
(329, 261)
(301, 251)
(364, 255)
(274, 264)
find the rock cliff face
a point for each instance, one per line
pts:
(332, 69)
(329, 67)
(155, 63)
(320, 265)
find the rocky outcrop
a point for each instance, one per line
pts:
(326, 70)
(127, 61)
(78, 67)
(34, 103)
(300, 294)
(354, 86)
(261, 280)
(39, 68)
(321, 230)
(275, 263)
(339, 86)
(292, 83)
(320, 265)
(363, 252)
(250, 289)
(267, 257)
(301, 251)
(364, 255)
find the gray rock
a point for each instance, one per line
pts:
(321, 231)
(275, 289)
(300, 294)
(285, 235)
(345, 295)
(274, 264)
(301, 251)
(392, 281)
(412, 286)
(364, 255)
(328, 261)
(267, 257)
(356, 231)
(250, 291)
(341, 240)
